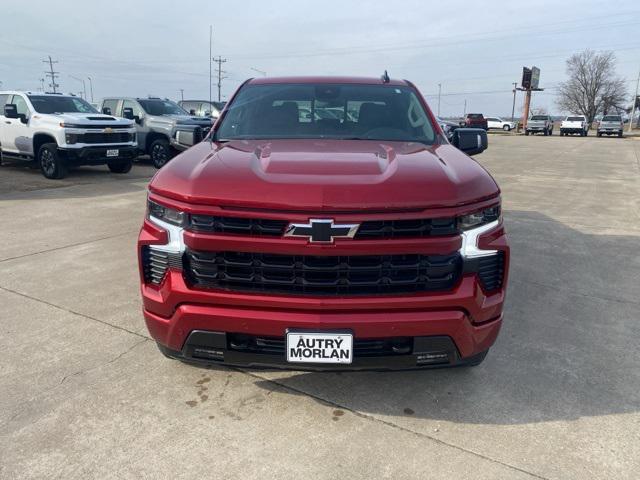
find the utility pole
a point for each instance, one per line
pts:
(210, 59)
(220, 61)
(84, 85)
(264, 74)
(633, 109)
(42, 84)
(464, 114)
(439, 91)
(513, 108)
(51, 74)
(91, 88)
(182, 94)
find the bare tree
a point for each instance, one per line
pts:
(593, 87)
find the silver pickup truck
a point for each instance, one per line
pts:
(539, 124)
(610, 125)
(161, 125)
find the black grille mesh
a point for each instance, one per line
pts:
(368, 230)
(322, 275)
(96, 137)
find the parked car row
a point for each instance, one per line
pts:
(57, 132)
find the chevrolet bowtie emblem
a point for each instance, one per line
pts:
(321, 230)
(108, 130)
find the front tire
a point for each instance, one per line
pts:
(120, 166)
(620, 134)
(526, 132)
(50, 163)
(160, 152)
(506, 128)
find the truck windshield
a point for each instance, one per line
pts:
(539, 117)
(162, 107)
(53, 104)
(336, 111)
(612, 118)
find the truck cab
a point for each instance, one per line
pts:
(162, 125)
(58, 131)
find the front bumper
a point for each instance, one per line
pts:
(205, 347)
(97, 155)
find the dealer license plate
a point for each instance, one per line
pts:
(319, 347)
(113, 153)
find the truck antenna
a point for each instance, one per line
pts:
(385, 77)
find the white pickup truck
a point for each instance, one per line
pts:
(60, 131)
(574, 124)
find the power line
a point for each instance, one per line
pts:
(51, 74)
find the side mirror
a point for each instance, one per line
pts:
(127, 113)
(207, 113)
(106, 110)
(23, 118)
(10, 111)
(188, 136)
(470, 140)
(192, 112)
(137, 119)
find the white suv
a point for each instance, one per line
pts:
(496, 122)
(58, 131)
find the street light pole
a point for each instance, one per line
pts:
(439, 90)
(84, 85)
(633, 109)
(91, 88)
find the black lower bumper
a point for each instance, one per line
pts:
(216, 348)
(98, 155)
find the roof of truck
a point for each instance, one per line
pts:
(328, 80)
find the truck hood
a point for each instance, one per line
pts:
(329, 175)
(189, 120)
(87, 119)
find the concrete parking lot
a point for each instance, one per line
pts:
(84, 393)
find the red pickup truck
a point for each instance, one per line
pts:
(325, 223)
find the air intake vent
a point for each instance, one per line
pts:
(156, 262)
(491, 271)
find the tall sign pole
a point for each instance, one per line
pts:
(530, 82)
(210, 60)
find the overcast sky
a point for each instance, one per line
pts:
(476, 50)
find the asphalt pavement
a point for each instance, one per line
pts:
(84, 392)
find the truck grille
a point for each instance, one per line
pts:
(322, 275)
(237, 225)
(96, 137)
(369, 230)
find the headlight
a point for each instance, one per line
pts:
(477, 219)
(166, 214)
(71, 138)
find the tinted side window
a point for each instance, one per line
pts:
(110, 104)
